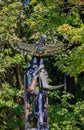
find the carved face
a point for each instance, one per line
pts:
(40, 48)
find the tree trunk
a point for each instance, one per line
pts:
(19, 77)
(9, 76)
(70, 88)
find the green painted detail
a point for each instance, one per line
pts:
(28, 65)
(40, 51)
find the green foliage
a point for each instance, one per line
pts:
(74, 18)
(11, 108)
(9, 17)
(64, 116)
(73, 62)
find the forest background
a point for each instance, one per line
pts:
(59, 20)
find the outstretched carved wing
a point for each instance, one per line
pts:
(30, 48)
(54, 48)
(23, 47)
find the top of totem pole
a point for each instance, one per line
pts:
(40, 48)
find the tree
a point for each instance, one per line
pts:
(27, 24)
